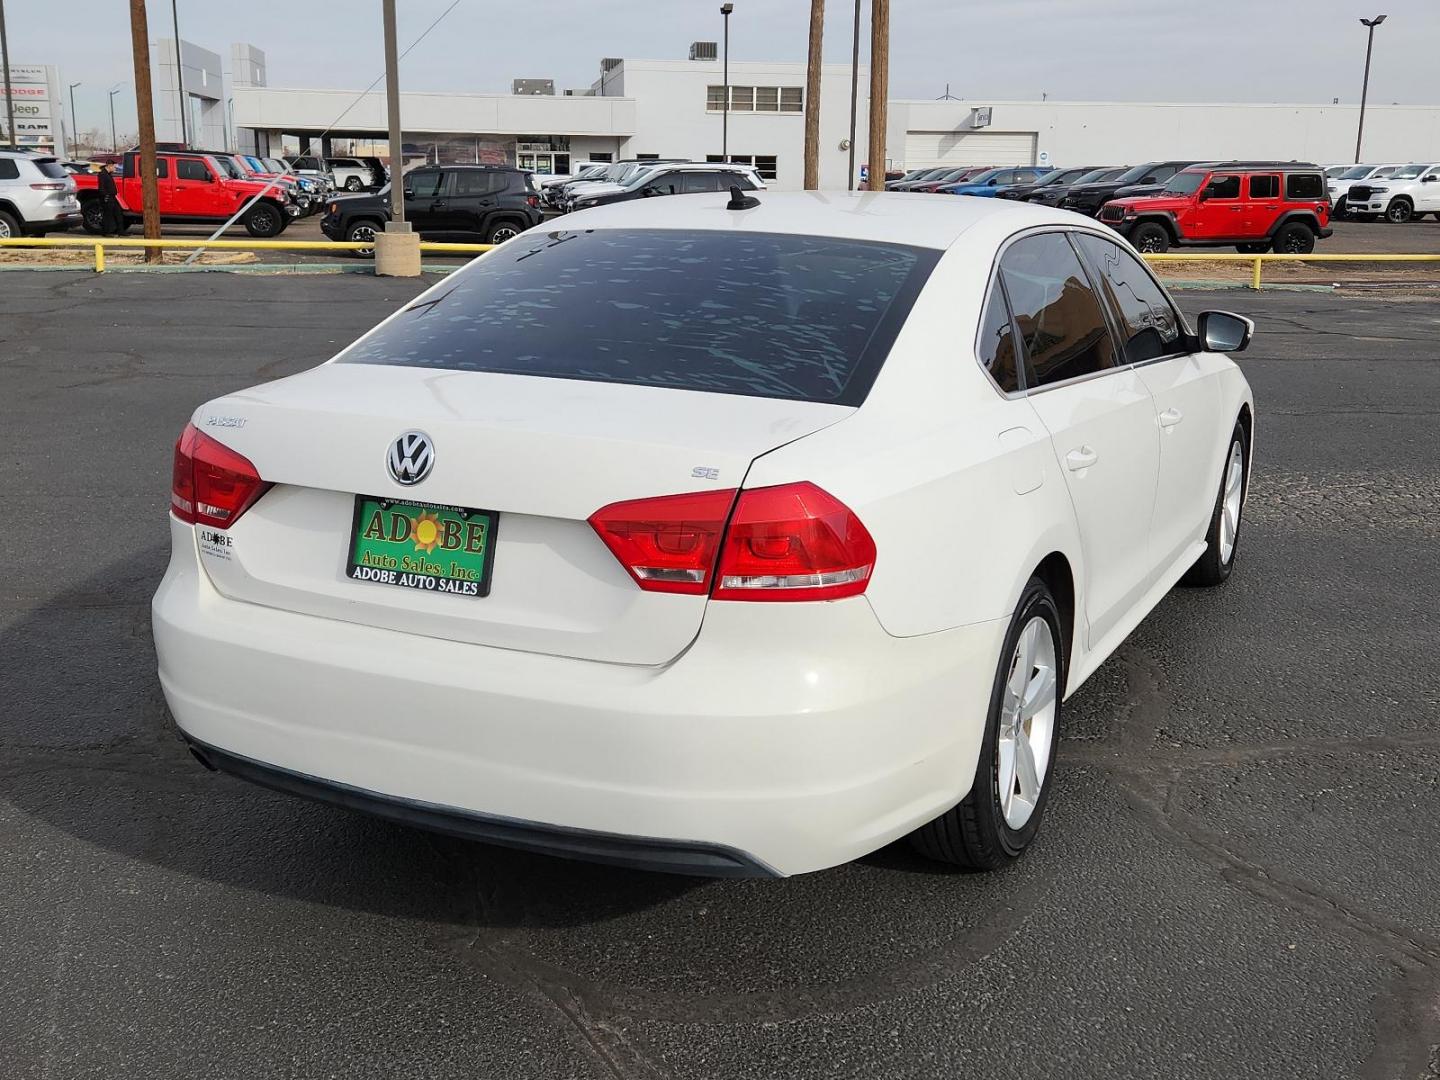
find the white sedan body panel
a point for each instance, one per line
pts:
(798, 735)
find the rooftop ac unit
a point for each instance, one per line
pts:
(704, 50)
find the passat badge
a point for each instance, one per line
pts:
(411, 458)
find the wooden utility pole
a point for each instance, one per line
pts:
(10, 101)
(879, 89)
(145, 114)
(812, 96)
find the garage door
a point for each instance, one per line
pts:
(925, 148)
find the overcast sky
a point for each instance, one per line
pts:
(1124, 50)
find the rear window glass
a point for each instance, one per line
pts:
(760, 314)
(1304, 186)
(53, 169)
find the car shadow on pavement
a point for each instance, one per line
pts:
(88, 747)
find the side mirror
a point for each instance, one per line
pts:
(408, 193)
(1429, 179)
(1224, 332)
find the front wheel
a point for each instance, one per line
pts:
(264, 221)
(362, 232)
(1223, 536)
(1399, 211)
(1000, 816)
(1150, 239)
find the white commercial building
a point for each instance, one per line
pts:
(637, 108)
(204, 121)
(1066, 133)
(675, 108)
(38, 108)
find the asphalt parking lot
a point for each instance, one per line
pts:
(1238, 875)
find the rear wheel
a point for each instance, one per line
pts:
(362, 232)
(1000, 816)
(1295, 238)
(264, 221)
(9, 227)
(352, 183)
(1400, 210)
(92, 216)
(1150, 238)
(502, 231)
(1223, 536)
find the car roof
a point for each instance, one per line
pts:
(895, 217)
(1201, 166)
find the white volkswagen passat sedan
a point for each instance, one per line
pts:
(708, 539)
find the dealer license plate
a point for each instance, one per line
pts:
(426, 546)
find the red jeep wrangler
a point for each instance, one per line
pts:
(193, 190)
(1254, 205)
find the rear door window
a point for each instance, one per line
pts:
(9, 170)
(699, 181)
(474, 182)
(1148, 321)
(1061, 323)
(807, 318)
(1264, 186)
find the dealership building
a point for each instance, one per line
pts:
(677, 108)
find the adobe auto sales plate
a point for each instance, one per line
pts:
(426, 546)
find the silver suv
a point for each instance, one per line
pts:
(37, 195)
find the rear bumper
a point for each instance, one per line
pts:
(786, 738)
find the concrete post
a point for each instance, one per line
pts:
(397, 251)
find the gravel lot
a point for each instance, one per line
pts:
(1238, 877)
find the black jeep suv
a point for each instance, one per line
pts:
(494, 202)
(1147, 179)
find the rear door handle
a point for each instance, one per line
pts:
(1081, 458)
(1170, 417)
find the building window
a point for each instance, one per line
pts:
(785, 99)
(647, 157)
(595, 155)
(767, 165)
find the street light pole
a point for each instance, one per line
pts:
(74, 127)
(5, 62)
(1365, 86)
(179, 78)
(114, 139)
(725, 10)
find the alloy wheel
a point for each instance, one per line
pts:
(1230, 502)
(363, 234)
(1027, 722)
(4, 230)
(503, 233)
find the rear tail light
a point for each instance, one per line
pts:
(668, 544)
(48, 187)
(211, 484)
(533, 201)
(790, 542)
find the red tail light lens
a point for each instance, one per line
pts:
(211, 484)
(793, 542)
(533, 201)
(668, 544)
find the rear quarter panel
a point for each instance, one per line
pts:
(957, 484)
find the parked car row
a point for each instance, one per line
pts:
(1396, 192)
(1255, 206)
(350, 173)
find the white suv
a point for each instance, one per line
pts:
(352, 174)
(37, 195)
(1409, 192)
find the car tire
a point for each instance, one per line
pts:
(9, 227)
(1222, 538)
(1252, 249)
(1400, 210)
(1341, 210)
(1295, 238)
(352, 183)
(1150, 238)
(998, 819)
(264, 221)
(503, 230)
(92, 217)
(359, 232)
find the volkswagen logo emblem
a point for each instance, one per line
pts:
(411, 458)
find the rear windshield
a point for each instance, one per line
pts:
(53, 169)
(807, 318)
